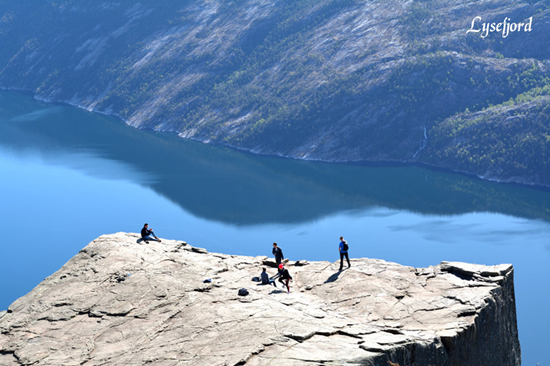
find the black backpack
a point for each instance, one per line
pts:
(346, 247)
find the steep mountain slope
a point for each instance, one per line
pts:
(331, 80)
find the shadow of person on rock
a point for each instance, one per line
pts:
(277, 292)
(333, 277)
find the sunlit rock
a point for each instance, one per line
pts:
(120, 302)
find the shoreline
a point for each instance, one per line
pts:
(367, 163)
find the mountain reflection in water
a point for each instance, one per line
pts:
(225, 185)
(69, 176)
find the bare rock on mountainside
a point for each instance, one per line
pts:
(119, 302)
(338, 81)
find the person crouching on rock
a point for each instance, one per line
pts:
(266, 280)
(148, 234)
(285, 277)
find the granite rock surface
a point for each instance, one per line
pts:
(124, 302)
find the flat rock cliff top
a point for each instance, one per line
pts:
(124, 302)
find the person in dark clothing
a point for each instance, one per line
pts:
(278, 253)
(148, 234)
(266, 280)
(343, 249)
(285, 277)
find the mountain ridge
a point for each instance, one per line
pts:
(335, 81)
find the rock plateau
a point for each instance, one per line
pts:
(120, 302)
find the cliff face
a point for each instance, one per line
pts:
(332, 80)
(127, 303)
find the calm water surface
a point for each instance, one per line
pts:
(68, 176)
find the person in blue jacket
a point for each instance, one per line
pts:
(343, 249)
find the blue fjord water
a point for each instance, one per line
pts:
(68, 176)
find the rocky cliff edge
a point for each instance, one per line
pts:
(120, 302)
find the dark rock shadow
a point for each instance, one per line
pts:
(334, 277)
(277, 292)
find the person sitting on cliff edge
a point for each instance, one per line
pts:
(148, 234)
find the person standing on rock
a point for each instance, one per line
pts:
(343, 249)
(278, 253)
(285, 276)
(148, 234)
